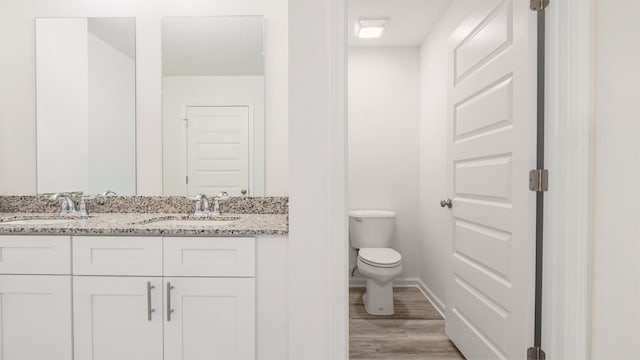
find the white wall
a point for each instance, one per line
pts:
(615, 325)
(435, 222)
(112, 133)
(383, 141)
(17, 89)
(318, 306)
(62, 67)
(181, 91)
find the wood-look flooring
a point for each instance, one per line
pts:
(415, 331)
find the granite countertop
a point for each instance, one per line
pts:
(141, 224)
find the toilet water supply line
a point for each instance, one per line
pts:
(353, 272)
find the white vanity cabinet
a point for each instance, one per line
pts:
(117, 318)
(35, 297)
(164, 298)
(209, 318)
(210, 309)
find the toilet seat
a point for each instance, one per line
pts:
(380, 257)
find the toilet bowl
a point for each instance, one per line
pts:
(380, 266)
(371, 232)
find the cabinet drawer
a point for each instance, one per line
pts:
(233, 257)
(107, 255)
(25, 254)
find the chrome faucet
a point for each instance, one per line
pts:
(216, 203)
(202, 205)
(67, 204)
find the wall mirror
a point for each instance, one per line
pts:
(213, 105)
(85, 74)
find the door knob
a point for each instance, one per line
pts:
(446, 203)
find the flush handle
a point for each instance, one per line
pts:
(446, 203)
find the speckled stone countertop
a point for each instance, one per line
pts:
(144, 224)
(145, 204)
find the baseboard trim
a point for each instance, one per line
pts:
(438, 304)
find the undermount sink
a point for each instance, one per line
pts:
(192, 220)
(42, 221)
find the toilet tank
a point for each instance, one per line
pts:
(371, 228)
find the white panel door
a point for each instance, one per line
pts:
(117, 318)
(35, 317)
(492, 123)
(211, 318)
(217, 149)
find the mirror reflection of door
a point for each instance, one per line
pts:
(213, 77)
(217, 149)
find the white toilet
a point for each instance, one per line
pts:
(371, 232)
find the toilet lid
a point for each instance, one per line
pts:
(372, 214)
(381, 257)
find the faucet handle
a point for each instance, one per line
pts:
(59, 195)
(101, 197)
(198, 197)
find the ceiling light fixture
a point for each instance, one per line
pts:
(369, 28)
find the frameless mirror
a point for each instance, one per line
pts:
(85, 73)
(213, 105)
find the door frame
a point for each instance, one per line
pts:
(568, 210)
(568, 204)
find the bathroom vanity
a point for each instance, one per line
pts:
(142, 277)
(142, 286)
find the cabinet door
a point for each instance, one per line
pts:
(35, 317)
(209, 318)
(117, 318)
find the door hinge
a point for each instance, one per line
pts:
(539, 180)
(187, 179)
(186, 122)
(535, 353)
(539, 5)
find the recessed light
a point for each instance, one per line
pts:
(369, 28)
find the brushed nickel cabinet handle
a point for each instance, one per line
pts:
(150, 310)
(169, 309)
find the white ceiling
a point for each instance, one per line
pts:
(212, 46)
(117, 32)
(410, 21)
